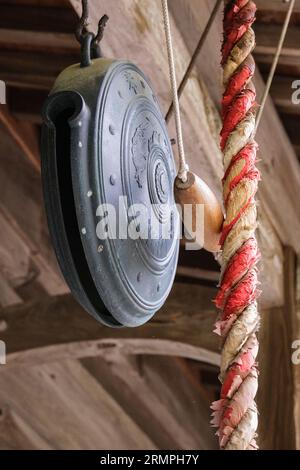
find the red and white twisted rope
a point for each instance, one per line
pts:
(235, 414)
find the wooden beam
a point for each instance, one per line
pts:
(14, 255)
(178, 329)
(28, 81)
(297, 366)
(37, 3)
(297, 150)
(108, 349)
(22, 209)
(291, 124)
(68, 409)
(26, 104)
(287, 65)
(277, 409)
(267, 37)
(37, 17)
(153, 400)
(271, 266)
(33, 68)
(179, 419)
(38, 41)
(281, 92)
(198, 274)
(22, 134)
(8, 295)
(274, 11)
(17, 434)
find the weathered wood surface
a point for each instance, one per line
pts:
(23, 135)
(267, 36)
(42, 332)
(108, 348)
(135, 403)
(281, 93)
(31, 15)
(179, 419)
(278, 393)
(74, 411)
(62, 327)
(296, 337)
(26, 252)
(279, 166)
(8, 296)
(274, 11)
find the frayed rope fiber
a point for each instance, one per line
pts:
(235, 414)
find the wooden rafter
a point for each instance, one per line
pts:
(278, 412)
(23, 135)
(58, 327)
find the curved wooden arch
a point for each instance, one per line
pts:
(58, 327)
(111, 349)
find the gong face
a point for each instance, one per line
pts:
(122, 174)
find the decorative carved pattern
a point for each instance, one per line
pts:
(132, 82)
(140, 150)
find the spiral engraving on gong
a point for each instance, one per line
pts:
(161, 183)
(151, 161)
(159, 177)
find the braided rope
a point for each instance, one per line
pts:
(235, 414)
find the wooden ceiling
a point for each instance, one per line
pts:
(29, 28)
(270, 18)
(60, 357)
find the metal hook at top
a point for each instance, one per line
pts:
(89, 41)
(81, 29)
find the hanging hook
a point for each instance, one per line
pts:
(99, 36)
(101, 26)
(89, 41)
(81, 29)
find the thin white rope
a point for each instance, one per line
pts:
(183, 167)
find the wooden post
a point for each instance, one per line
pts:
(276, 396)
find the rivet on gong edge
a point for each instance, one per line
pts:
(111, 129)
(100, 248)
(89, 193)
(112, 179)
(83, 231)
(80, 144)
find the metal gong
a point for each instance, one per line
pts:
(105, 150)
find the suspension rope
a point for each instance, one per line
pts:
(183, 167)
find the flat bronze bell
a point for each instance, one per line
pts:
(104, 137)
